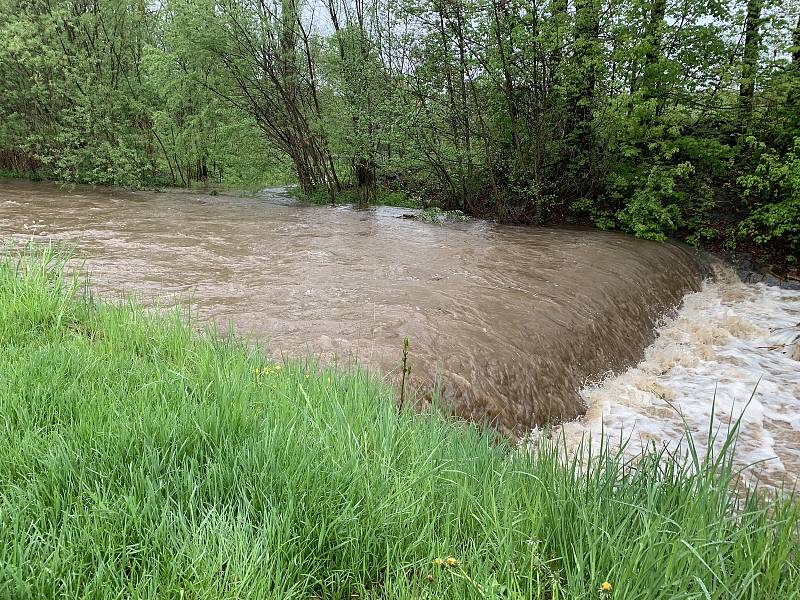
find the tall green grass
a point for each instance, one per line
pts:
(140, 460)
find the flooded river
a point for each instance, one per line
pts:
(512, 321)
(517, 327)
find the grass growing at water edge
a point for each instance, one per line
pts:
(139, 459)
(382, 197)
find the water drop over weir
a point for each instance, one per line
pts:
(511, 321)
(727, 358)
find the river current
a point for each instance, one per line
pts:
(517, 327)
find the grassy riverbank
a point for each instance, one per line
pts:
(138, 459)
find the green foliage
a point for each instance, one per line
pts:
(434, 214)
(654, 209)
(67, 105)
(92, 94)
(399, 199)
(773, 189)
(317, 195)
(137, 457)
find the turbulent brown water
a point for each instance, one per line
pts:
(512, 321)
(729, 355)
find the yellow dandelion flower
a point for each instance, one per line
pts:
(307, 375)
(451, 562)
(605, 588)
(278, 367)
(438, 562)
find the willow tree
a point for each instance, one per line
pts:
(261, 52)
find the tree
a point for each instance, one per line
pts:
(752, 48)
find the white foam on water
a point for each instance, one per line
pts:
(728, 342)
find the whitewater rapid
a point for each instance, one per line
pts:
(726, 344)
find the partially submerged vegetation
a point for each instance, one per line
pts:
(428, 214)
(382, 197)
(140, 459)
(434, 214)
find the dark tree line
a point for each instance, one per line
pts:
(662, 118)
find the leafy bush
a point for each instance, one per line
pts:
(654, 211)
(773, 191)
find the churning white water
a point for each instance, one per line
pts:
(728, 342)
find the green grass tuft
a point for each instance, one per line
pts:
(382, 197)
(141, 460)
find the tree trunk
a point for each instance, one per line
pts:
(651, 80)
(508, 87)
(582, 89)
(304, 177)
(587, 32)
(558, 9)
(752, 47)
(463, 67)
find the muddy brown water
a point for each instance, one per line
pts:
(511, 321)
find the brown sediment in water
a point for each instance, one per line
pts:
(512, 321)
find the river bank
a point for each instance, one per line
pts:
(137, 455)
